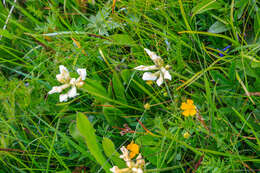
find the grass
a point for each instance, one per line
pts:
(40, 134)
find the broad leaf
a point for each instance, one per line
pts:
(74, 132)
(110, 151)
(218, 27)
(88, 132)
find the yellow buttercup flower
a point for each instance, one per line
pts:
(133, 148)
(186, 135)
(189, 109)
(147, 106)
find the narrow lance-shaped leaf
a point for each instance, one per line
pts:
(119, 89)
(87, 130)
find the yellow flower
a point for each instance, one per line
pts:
(189, 108)
(186, 135)
(147, 106)
(133, 148)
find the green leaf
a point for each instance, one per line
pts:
(248, 124)
(231, 71)
(218, 27)
(112, 115)
(255, 64)
(151, 154)
(91, 1)
(96, 89)
(204, 6)
(110, 151)
(118, 87)
(86, 129)
(122, 39)
(128, 78)
(240, 5)
(74, 132)
(126, 75)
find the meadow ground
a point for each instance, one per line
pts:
(196, 109)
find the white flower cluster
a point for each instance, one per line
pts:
(162, 72)
(133, 167)
(64, 78)
(66, 81)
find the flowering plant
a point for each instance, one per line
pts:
(66, 81)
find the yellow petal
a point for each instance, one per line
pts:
(184, 106)
(132, 155)
(186, 113)
(193, 112)
(133, 148)
(186, 135)
(192, 107)
(190, 102)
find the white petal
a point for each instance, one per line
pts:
(115, 169)
(60, 78)
(64, 75)
(58, 89)
(139, 170)
(63, 97)
(73, 81)
(54, 89)
(129, 163)
(153, 56)
(125, 153)
(82, 73)
(140, 161)
(72, 92)
(160, 80)
(79, 83)
(134, 170)
(166, 74)
(146, 68)
(63, 69)
(150, 76)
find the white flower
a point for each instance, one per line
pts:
(133, 167)
(115, 169)
(140, 161)
(67, 81)
(64, 76)
(162, 72)
(82, 73)
(125, 154)
(137, 170)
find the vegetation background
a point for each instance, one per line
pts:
(39, 134)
